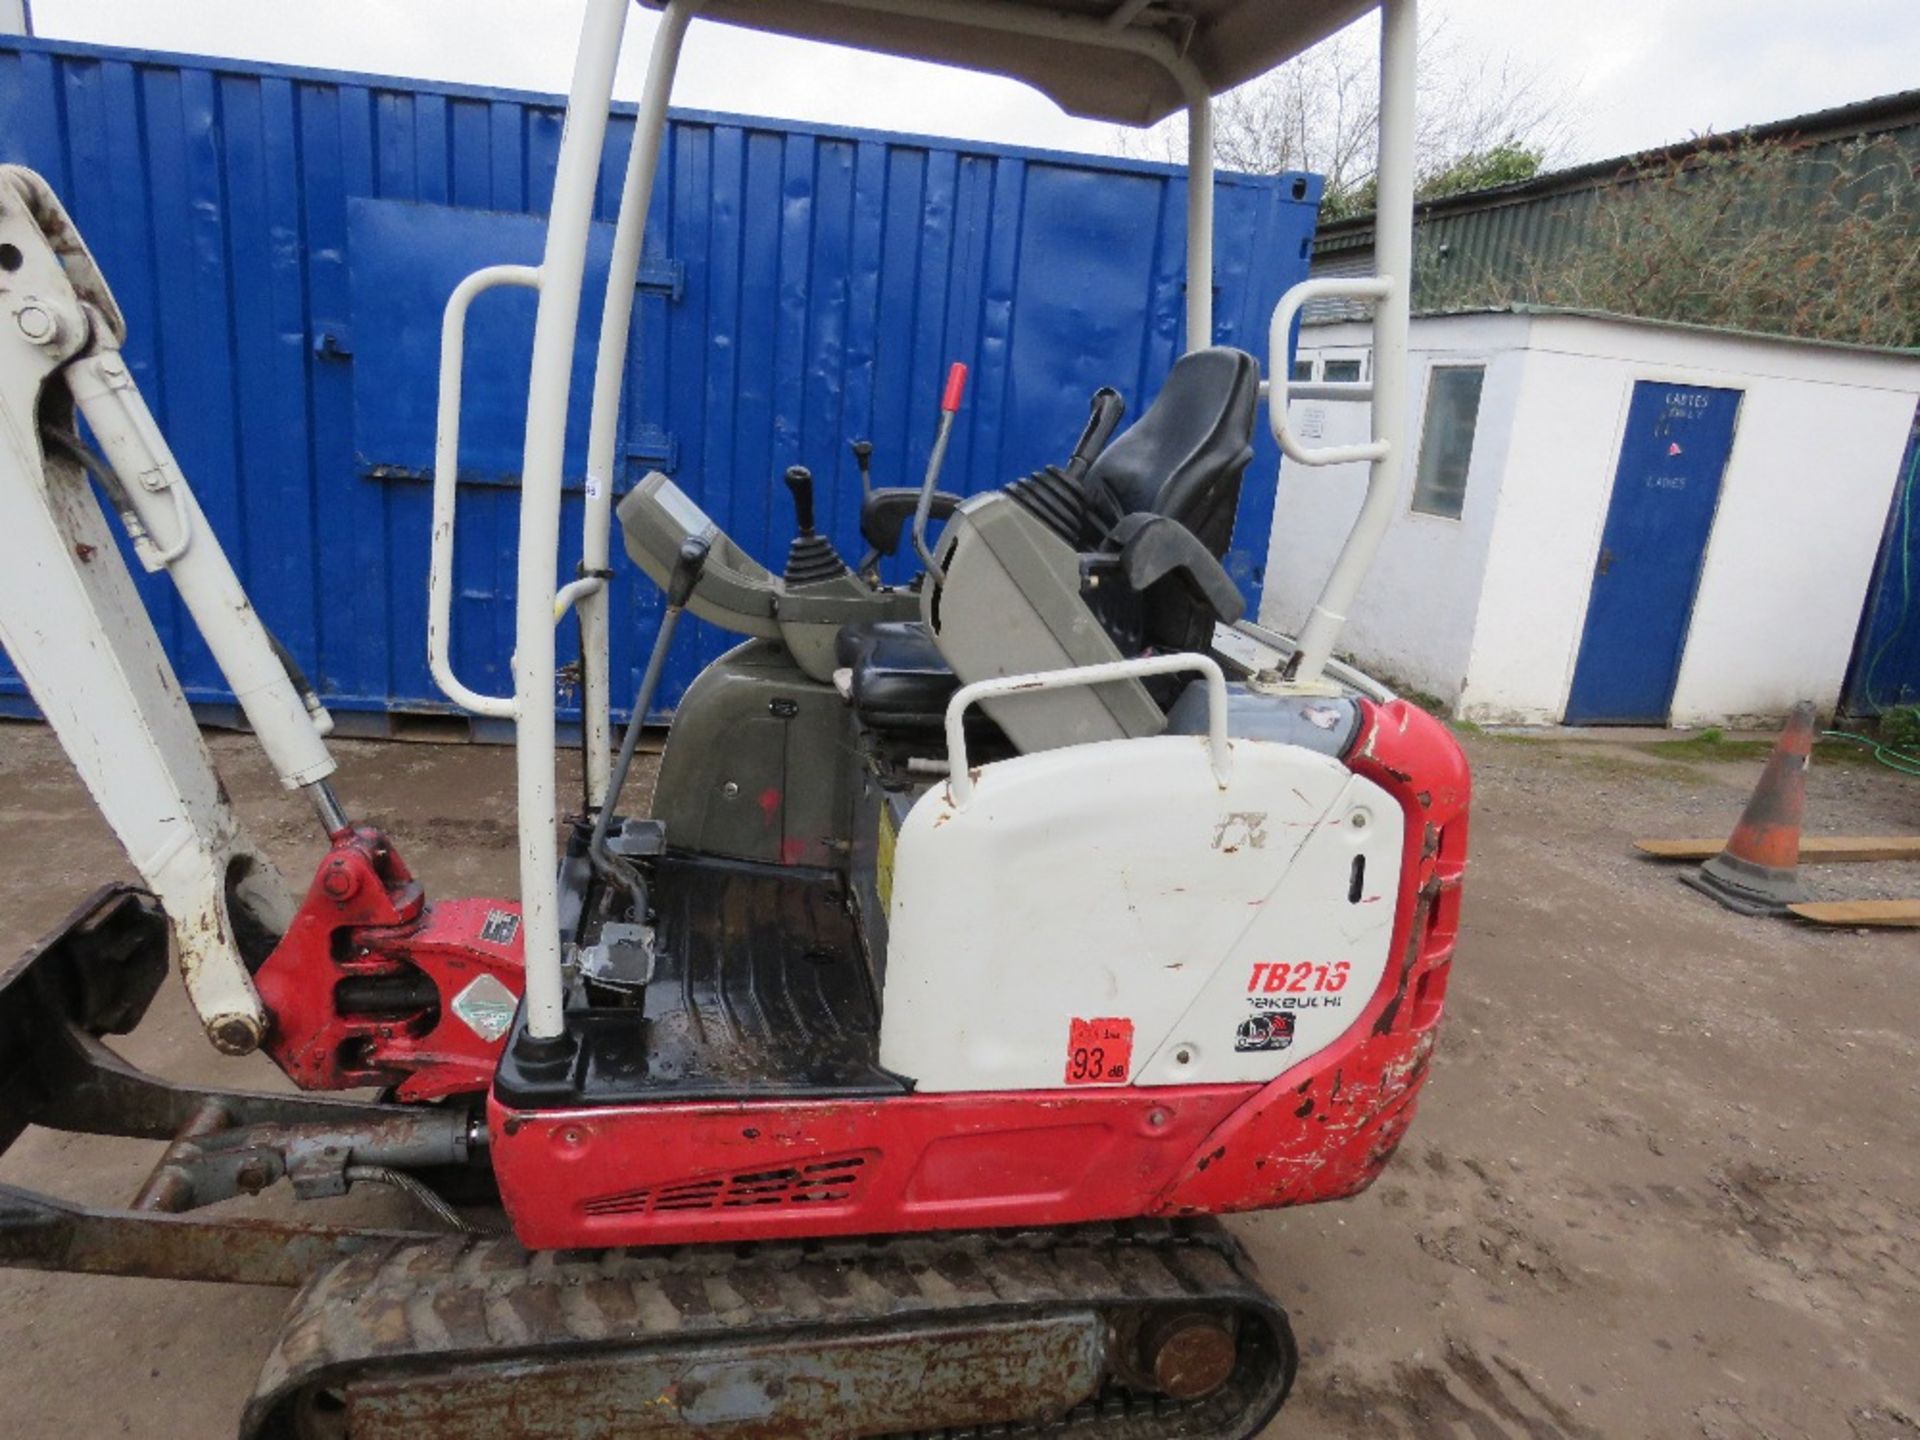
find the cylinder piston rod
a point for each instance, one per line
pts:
(326, 805)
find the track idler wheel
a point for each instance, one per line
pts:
(1189, 1356)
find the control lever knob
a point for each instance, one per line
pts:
(800, 482)
(687, 566)
(1107, 411)
(863, 457)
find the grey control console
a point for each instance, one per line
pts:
(738, 593)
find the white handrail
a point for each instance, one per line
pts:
(563, 265)
(1393, 248)
(446, 474)
(609, 376)
(960, 777)
(1279, 390)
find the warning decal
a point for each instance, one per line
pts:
(487, 1008)
(500, 927)
(1100, 1052)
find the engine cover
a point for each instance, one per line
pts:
(1110, 915)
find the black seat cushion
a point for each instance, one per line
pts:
(1184, 458)
(899, 680)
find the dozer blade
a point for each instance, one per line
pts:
(1106, 1333)
(93, 975)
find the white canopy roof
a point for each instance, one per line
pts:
(1061, 47)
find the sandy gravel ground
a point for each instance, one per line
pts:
(1665, 1182)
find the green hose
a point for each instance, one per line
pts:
(1891, 756)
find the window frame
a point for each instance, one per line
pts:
(1481, 364)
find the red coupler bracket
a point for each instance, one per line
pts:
(371, 985)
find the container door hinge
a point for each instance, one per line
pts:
(662, 277)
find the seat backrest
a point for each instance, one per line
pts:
(1184, 457)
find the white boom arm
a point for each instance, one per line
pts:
(74, 626)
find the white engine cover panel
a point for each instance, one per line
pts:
(1109, 914)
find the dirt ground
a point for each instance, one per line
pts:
(1665, 1181)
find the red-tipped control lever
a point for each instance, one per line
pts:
(956, 389)
(949, 407)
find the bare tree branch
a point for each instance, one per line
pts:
(1321, 112)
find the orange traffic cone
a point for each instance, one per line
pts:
(1759, 871)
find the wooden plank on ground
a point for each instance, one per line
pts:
(1901, 913)
(1814, 849)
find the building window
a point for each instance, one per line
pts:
(1342, 371)
(1301, 373)
(1446, 439)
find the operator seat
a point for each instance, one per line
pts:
(1101, 565)
(1172, 479)
(1184, 458)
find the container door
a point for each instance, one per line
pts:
(1664, 495)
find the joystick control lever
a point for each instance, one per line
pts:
(811, 557)
(863, 457)
(1108, 410)
(800, 486)
(949, 407)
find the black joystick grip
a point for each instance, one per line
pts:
(687, 566)
(811, 558)
(1108, 410)
(800, 482)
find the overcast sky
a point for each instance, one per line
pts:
(1637, 72)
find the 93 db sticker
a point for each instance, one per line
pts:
(1099, 1052)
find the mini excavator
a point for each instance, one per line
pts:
(990, 934)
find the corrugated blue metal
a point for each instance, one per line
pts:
(282, 242)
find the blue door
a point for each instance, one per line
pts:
(1664, 495)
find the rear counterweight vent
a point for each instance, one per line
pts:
(831, 1181)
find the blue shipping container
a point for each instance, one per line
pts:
(283, 242)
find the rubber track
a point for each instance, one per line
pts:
(433, 1307)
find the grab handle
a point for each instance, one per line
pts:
(446, 471)
(960, 778)
(1280, 332)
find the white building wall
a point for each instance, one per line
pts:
(1793, 546)
(1803, 504)
(1487, 612)
(1556, 484)
(1413, 619)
